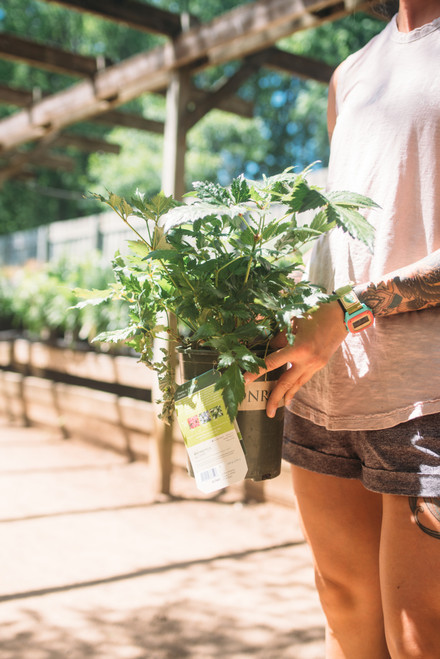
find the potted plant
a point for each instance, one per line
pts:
(227, 264)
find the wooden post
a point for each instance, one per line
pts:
(173, 183)
(174, 147)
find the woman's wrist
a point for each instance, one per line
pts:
(357, 315)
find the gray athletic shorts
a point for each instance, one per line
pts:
(403, 460)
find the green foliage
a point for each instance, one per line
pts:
(56, 194)
(226, 266)
(6, 302)
(38, 299)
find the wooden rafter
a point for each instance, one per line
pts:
(225, 89)
(246, 33)
(25, 98)
(150, 71)
(53, 161)
(297, 65)
(137, 15)
(85, 143)
(129, 120)
(231, 103)
(308, 15)
(38, 157)
(48, 57)
(14, 96)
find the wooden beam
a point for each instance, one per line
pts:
(232, 103)
(50, 58)
(53, 161)
(25, 97)
(15, 96)
(297, 65)
(38, 157)
(234, 34)
(137, 15)
(173, 183)
(26, 176)
(225, 89)
(129, 120)
(174, 148)
(85, 143)
(311, 16)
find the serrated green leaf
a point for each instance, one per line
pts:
(231, 384)
(154, 208)
(354, 223)
(303, 198)
(120, 204)
(139, 248)
(169, 255)
(225, 360)
(160, 239)
(321, 221)
(212, 192)
(240, 190)
(161, 203)
(256, 195)
(92, 297)
(115, 336)
(341, 198)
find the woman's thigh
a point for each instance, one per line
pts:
(341, 521)
(410, 574)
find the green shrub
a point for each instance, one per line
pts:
(38, 299)
(6, 301)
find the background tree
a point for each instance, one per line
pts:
(289, 127)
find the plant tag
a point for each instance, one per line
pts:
(212, 440)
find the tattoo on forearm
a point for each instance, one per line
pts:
(426, 512)
(406, 290)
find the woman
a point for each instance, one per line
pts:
(363, 423)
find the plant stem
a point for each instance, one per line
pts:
(254, 248)
(237, 258)
(124, 219)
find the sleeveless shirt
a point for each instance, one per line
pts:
(386, 145)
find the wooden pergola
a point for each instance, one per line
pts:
(247, 33)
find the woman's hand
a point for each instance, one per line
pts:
(317, 337)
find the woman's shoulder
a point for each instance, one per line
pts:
(374, 45)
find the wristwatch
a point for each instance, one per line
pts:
(357, 316)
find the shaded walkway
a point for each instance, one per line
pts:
(93, 566)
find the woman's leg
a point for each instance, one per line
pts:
(410, 576)
(341, 521)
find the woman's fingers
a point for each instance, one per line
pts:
(285, 389)
(273, 361)
(279, 392)
(317, 336)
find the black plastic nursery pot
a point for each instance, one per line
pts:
(262, 436)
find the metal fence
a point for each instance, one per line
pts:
(104, 232)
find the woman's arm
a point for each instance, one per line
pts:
(411, 288)
(414, 287)
(331, 103)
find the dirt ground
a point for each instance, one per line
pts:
(94, 565)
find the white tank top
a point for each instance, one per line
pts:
(386, 145)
